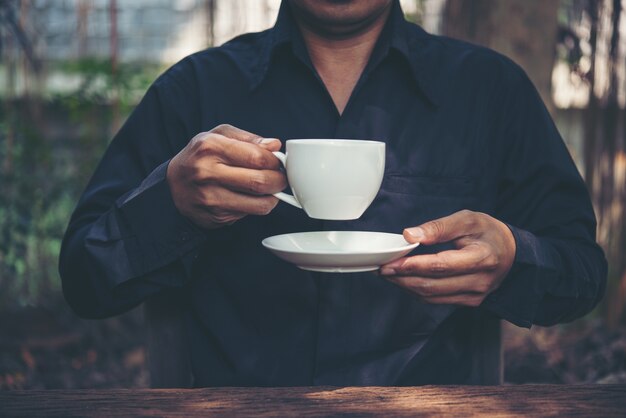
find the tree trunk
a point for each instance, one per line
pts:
(113, 45)
(612, 170)
(523, 30)
(82, 16)
(210, 9)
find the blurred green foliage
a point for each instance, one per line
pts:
(49, 146)
(101, 85)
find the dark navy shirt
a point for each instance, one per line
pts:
(464, 128)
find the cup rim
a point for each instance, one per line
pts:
(334, 142)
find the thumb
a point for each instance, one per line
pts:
(441, 230)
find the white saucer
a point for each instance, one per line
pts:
(339, 251)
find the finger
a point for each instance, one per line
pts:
(270, 144)
(212, 220)
(256, 182)
(428, 287)
(224, 200)
(472, 299)
(469, 299)
(444, 229)
(232, 132)
(469, 259)
(244, 154)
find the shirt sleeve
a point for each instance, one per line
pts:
(559, 271)
(126, 240)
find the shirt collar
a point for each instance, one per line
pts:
(411, 41)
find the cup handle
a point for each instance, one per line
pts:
(287, 198)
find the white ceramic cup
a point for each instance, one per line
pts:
(333, 179)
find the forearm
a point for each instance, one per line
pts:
(112, 261)
(553, 280)
(88, 278)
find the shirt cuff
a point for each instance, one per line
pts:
(522, 290)
(156, 233)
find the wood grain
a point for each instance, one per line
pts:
(501, 401)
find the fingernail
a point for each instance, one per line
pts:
(268, 140)
(417, 233)
(387, 271)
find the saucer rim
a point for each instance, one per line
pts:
(409, 246)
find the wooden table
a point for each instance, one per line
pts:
(527, 401)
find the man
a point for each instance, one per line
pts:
(475, 171)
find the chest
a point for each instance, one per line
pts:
(438, 158)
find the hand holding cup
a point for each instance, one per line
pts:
(225, 174)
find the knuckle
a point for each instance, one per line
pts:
(207, 200)
(484, 221)
(438, 267)
(199, 137)
(258, 183)
(223, 127)
(196, 172)
(204, 175)
(424, 288)
(491, 262)
(204, 142)
(470, 219)
(405, 268)
(202, 136)
(211, 197)
(437, 227)
(256, 158)
(210, 175)
(223, 218)
(219, 216)
(483, 286)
